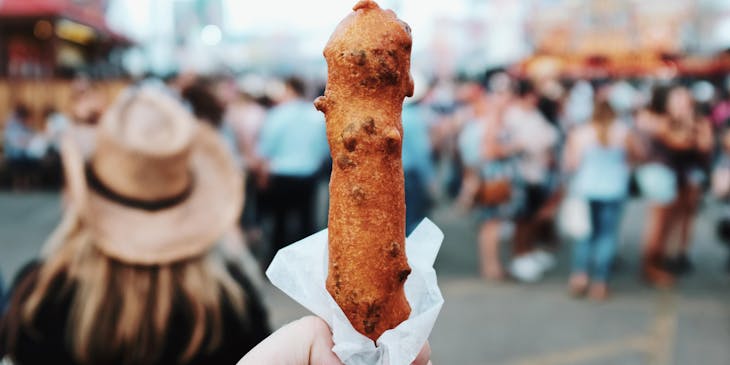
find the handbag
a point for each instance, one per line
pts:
(574, 218)
(496, 180)
(494, 192)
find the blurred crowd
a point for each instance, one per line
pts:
(552, 158)
(148, 264)
(556, 160)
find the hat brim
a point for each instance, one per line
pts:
(183, 231)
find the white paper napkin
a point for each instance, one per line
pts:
(300, 271)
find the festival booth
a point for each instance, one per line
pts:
(622, 39)
(44, 43)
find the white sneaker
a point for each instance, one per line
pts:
(545, 259)
(526, 269)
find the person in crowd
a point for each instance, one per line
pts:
(491, 184)
(550, 99)
(133, 274)
(17, 142)
(307, 341)
(721, 110)
(694, 130)
(246, 118)
(456, 113)
(85, 106)
(682, 141)
(623, 98)
(578, 105)
(721, 191)
(209, 109)
(553, 97)
(598, 154)
(176, 82)
(209, 99)
(417, 166)
(86, 101)
(56, 125)
(200, 96)
(536, 140)
(2, 295)
(292, 148)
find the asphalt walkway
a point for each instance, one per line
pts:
(510, 323)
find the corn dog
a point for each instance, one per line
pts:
(368, 60)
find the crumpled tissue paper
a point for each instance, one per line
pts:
(300, 271)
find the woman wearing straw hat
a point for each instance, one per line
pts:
(132, 274)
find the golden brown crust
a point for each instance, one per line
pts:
(368, 58)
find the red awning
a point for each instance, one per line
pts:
(21, 8)
(89, 12)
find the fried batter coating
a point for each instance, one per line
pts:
(368, 59)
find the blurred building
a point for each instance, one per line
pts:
(281, 36)
(603, 27)
(58, 38)
(630, 37)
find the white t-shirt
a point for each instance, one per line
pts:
(536, 136)
(603, 171)
(586, 136)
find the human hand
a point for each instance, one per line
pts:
(424, 357)
(307, 341)
(302, 342)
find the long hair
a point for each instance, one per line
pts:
(204, 103)
(121, 312)
(603, 116)
(658, 101)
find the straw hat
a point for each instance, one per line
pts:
(158, 186)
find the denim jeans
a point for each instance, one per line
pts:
(594, 256)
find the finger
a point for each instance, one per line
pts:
(424, 356)
(323, 355)
(321, 350)
(289, 337)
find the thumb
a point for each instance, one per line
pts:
(424, 356)
(320, 353)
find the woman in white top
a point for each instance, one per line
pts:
(598, 153)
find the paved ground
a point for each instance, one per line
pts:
(513, 324)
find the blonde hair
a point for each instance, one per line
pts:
(121, 311)
(603, 116)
